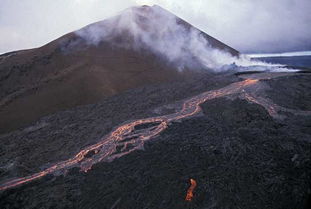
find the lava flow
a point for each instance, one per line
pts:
(193, 185)
(128, 137)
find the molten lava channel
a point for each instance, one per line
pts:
(126, 139)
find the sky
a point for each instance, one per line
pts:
(250, 26)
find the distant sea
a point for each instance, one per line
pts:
(295, 59)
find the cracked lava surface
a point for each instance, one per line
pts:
(127, 137)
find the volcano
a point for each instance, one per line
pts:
(100, 60)
(136, 111)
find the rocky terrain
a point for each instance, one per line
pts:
(105, 120)
(240, 156)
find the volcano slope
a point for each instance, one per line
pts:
(100, 60)
(139, 122)
(246, 149)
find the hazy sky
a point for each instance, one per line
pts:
(247, 25)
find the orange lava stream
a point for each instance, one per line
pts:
(193, 185)
(271, 108)
(125, 138)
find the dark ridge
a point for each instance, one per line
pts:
(247, 72)
(304, 71)
(211, 40)
(90, 154)
(146, 125)
(129, 139)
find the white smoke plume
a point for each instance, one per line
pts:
(162, 32)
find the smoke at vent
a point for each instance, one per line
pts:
(163, 33)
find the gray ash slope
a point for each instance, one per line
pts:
(100, 60)
(239, 155)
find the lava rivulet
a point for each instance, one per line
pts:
(127, 137)
(193, 185)
(273, 109)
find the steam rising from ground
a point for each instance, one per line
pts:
(161, 32)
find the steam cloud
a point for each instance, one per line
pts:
(250, 26)
(161, 32)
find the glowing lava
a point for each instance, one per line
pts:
(126, 138)
(193, 185)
